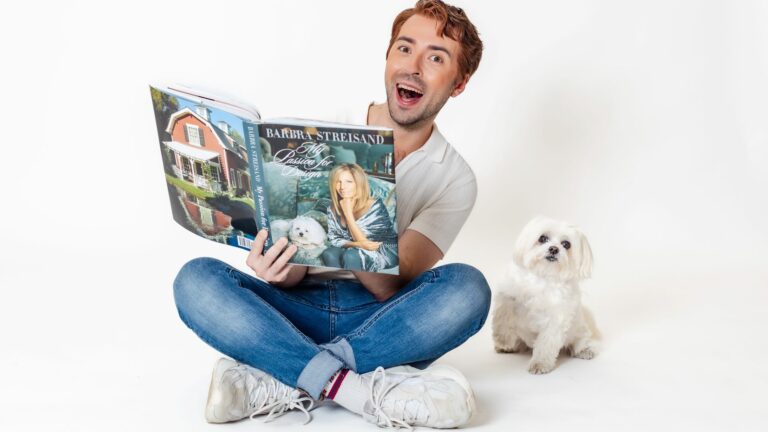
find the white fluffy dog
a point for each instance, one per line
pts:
(538, 305)
(303, 231)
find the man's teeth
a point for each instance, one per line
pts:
(412, 91)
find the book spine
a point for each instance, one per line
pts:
(258, 182)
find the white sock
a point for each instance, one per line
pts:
(347, 389)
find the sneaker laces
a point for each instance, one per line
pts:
(402, 413)
(268, 396)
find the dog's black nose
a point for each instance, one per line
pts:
(301, 234)
(553, 250)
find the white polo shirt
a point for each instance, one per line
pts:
(436, 190)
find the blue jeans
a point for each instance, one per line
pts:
(304, 334)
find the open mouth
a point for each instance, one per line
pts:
(550, 258)
(408, 94)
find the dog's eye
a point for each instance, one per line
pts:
(543, 239)
(566, 244)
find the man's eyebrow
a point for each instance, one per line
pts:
(439, 48)
(432, 47)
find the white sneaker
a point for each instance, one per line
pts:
(437, 397)
(238, 391)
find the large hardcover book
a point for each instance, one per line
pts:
(328, 187)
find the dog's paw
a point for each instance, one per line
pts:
(518, 346)
(586, 354)
(538, 368)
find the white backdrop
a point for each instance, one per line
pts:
(646, 123)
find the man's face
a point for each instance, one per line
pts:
(421, 73)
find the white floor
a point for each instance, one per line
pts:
(98, 346)
(645, 123)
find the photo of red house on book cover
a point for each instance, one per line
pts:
(328, 187)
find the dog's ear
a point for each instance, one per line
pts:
(525, 240)
(585, 257)
(519, 251)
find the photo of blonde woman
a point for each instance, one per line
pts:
(360, 231)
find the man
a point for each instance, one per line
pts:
(363, 340)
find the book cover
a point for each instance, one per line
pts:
(309, 169)
(329, 188)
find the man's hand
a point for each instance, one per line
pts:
(273, 266)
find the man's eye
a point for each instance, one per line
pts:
(404, 49)
(543, 239)
(436, 58)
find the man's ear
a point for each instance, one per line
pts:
(459, 87)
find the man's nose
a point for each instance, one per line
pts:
(412, 65)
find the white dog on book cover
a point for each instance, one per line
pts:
(305, 232)
(538, 304)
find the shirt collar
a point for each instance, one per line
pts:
(436, 146)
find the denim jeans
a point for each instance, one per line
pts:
(304, 334)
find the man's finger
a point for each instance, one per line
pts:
(284, 272)
(282, 260)
(257, 246)
(273, 252)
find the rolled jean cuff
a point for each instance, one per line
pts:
(318, 372)
(342, 350)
